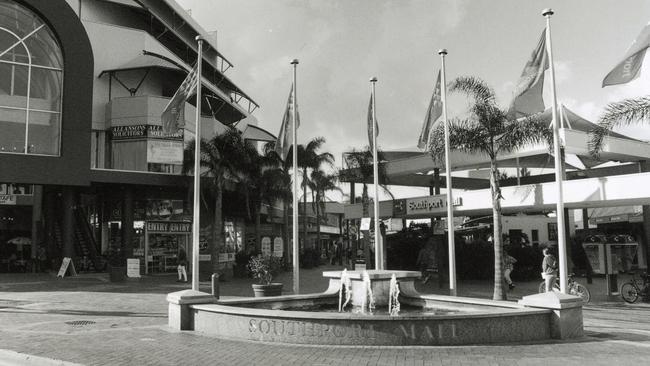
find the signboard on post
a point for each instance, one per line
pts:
(67, 263)
(365, 223)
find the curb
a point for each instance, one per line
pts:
(11, 358)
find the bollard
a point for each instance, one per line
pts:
(215, 285)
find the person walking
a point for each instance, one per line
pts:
(426, 261)
(509, 266)
(182, 265)
(549, 269)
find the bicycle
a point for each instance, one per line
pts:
(573, 287)
(631, 290)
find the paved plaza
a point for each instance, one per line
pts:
(88, 320)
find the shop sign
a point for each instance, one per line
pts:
(169, 227)
(165, 152)
(266, 246)
(399, 208)
(16, 189)
(7, 199)
(134, 132)
(278, 249)
(431, 204)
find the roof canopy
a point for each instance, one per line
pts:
(412, 167)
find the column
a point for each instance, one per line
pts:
(68, 222)
(127, 221)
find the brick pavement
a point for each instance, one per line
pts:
(90, 321)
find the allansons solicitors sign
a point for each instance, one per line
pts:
(430, 204)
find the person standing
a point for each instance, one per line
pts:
(426, 261)
(182, 265)
(549, 269)
(508, 268)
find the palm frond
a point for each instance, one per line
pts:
(475, 88)
(625, 112)
(519, 133)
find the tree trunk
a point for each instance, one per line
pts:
(285, 229)
(318, 244)
(258, 229)
(365, 202)
(499, 283)
(304, 209)
(217, 230)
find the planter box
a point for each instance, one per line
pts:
(274, 289)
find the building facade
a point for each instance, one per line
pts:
(85, 169)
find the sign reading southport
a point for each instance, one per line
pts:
(429, 204)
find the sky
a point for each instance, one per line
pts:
(341, 44)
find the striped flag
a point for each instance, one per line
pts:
(284, 140)
(433, 113)
(528, 92)
(370, 118)
(628, 69)
(173, 116)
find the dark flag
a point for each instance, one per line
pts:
(173, 116)
(528, 92)
(284, 141)
(433, 113)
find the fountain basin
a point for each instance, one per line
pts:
(455, 320)
(379, 280)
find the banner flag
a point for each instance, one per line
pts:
(528, 92)
(370, 115)
(433, 113)
(284, 140)
(173, 116)
(628, 69)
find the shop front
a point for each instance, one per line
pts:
(163, 242)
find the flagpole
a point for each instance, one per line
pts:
(450, 200)
(294, 138)
(196, 224)
(379, 253)
(561, 233)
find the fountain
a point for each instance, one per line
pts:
(393, 297)
(411, 319)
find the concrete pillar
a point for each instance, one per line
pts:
(585, 218)
(566, 317)
(644, 166)
(37, 215)
(49, 211)
(127, 221)
(352, 193)
(180, 316)
(68, 222)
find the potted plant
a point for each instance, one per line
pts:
(263, 268)
(116, 265)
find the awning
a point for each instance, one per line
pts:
(255, 133)
(145, 61)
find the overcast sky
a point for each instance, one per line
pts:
(342, 43)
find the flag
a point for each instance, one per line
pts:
(628, 69)
(433, 113)
(173, 116)
(370, 118)
(284, 140)
(528, 92)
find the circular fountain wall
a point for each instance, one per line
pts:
(444, 320)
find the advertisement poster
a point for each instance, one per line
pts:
(278, 248)
(165, 152)
(266, 246)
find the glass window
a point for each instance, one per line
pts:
(31, 83)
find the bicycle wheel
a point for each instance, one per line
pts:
(582, 291)
(542, 287)
(629, 292)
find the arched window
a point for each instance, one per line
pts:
(31, 83)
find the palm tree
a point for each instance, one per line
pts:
(222, 159)
(310, 159)
(623, 113)
(321, 183)
(360, 168)
(488, 130)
